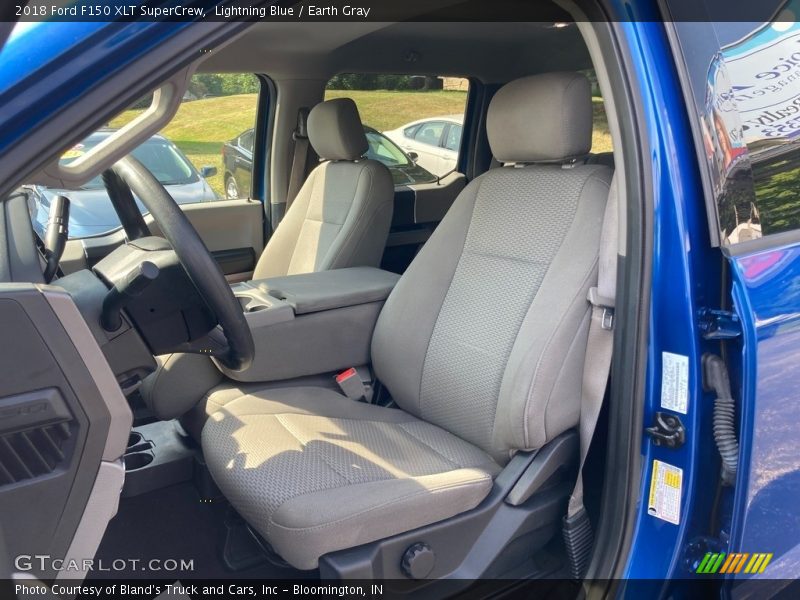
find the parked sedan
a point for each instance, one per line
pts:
(435, 141)
(237, 157)
(91, 211)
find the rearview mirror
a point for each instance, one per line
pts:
(208, 171)
(413, 156)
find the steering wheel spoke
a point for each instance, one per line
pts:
(125, 205)
(231, 342)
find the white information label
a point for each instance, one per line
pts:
(674, 382)
(665, 492)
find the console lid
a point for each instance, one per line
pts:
(328, 290)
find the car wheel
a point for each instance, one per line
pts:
(231, 189)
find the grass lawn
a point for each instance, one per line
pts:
(201, 127)
(385, 110)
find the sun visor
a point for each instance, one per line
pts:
(165, 103)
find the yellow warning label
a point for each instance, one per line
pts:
(664, 501)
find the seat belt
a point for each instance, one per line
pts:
(577, 529)
(300, 157)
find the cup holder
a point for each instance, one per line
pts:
(134, 439)
(255, 308)
(250, 305)
(244, 301)
(138, 460)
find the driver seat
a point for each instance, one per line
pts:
(481, 345)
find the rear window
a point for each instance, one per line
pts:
(414, 122)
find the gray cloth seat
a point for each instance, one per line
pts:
(317, 472)
(481, 345)
(342, 213)
(340, 218)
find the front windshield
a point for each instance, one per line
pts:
(160, 157)
(383, 150)
(403, 169)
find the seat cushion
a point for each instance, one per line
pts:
(315, 472)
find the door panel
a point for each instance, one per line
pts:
(766, 289)
(231, 229)
(64, 426)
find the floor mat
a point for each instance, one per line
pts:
(174, 524)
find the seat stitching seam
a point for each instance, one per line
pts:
(506, 257)
(305, 217)
(378, 506)
(412, 436)
(305, 448)
(361, 211)
(532, 386)
(534, 381)
(480, 181)
(323, 221)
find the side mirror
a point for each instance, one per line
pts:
(208, 171)
(413, 156)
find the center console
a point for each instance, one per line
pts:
(311, 323)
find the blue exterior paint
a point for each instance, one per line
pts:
(41, 74)
(767, 292)
(686, 275)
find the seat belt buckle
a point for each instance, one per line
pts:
(607, 304)
(352, 386)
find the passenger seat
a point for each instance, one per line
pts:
(342, 213)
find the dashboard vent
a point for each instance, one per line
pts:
(33, 453)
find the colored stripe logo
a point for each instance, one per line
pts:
(736, 562)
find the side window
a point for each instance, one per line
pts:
(601, 136)
(246, 140)
(410, 131)
(407, 119)
(384, 150)
(430, 133)
(453, 141)
(744, 80)
(764, 73)
(193, 156)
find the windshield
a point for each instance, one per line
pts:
(160, 157)
(383, 150)
(403, 169)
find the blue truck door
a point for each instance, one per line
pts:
(743, 85)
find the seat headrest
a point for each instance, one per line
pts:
(541, 118)
(335, 130)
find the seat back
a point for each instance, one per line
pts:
(342, 213)
(485, 333)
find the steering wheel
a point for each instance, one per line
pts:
(127, 177)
